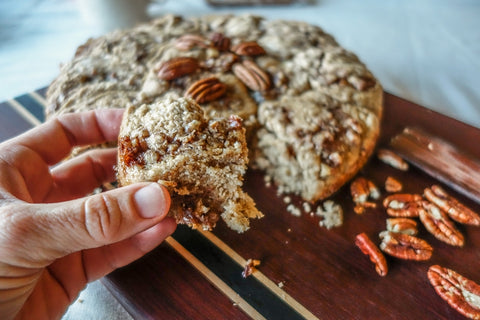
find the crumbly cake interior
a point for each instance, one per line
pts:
(311, 109)
(201, 161)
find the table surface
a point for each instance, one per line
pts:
(424, 51)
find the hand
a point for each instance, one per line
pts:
(53, 240)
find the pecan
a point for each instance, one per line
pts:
(206, 90)
(456, 210)
(376, 256)
(250, 48)
(392, 159)
(405, 205)
(393, 185)
(361, 189)
(402, 225)
(405, 246)
(177, 67)
(439, 224)
(252, 76)
(189, 41)
(220, 41)
(250, 267)
(460, 293)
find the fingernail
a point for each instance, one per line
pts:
(151, 201)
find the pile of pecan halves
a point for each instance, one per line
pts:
(437, 211)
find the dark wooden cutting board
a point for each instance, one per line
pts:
(321, 270)
(306, 271)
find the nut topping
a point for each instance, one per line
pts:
(460, 293)
(189, 41)
(402, 225)
(405, 205)
(376, 256)
(251, 75)
(220, 41)
(451, 206)
(392, 159)
(250, 48)
(206, 90)
(177, 67)
(437, 223)
(405, 246)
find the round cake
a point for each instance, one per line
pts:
(311, 108)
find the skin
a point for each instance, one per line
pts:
(53, 238)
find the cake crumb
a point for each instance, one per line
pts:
(280, 284)
(294, 210)
(306, 207)
(287, 199)
(332, 214)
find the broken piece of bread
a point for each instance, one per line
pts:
(200, 161)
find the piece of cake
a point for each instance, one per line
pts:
(201, 161)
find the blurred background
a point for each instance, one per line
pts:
(426, 51)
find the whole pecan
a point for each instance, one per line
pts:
(407, 205)
(252, 75)
(439, 224)
(460, 293)
(250, 48)
(189, 41)
(177, 67)
(405, 246)
(220, 41)
(363, 242)
(456, 210)
(206, 90)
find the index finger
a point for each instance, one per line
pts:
(54, 139)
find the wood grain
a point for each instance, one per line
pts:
(322, 269)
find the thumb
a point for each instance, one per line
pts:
(50, 231)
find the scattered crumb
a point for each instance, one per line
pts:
(332, 214)
(250, 267)
(306, 207)
(287, 199)
(280, 284)
(294, 210)
(80, 300)
(289, 230)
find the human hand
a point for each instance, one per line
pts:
(53, 240)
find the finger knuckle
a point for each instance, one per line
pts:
(102, 218)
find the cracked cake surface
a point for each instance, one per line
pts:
(200, 161)
(311, 109)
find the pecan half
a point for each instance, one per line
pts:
(361, 190)
(252, 76)
(206, 90)
(402, 225)
(189, 41)
(363, 242)
(460, 293)
(392, 159)
(250, 48)
(177, 67)
(220, 41)
(405, 246)
(439, 224)
(393, 185)
(456, 210)
(407, 205)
